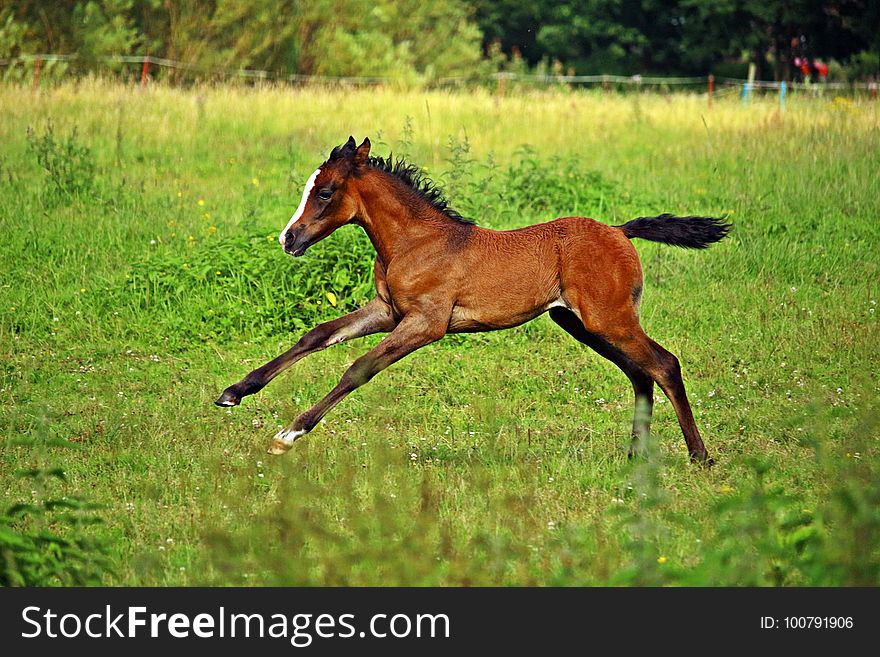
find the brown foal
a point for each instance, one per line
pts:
(436, 273)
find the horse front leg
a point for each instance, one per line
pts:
(375, 317)
(412, 333)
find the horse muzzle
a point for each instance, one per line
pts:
(294, 244)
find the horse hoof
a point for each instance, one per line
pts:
(703, 459)
(277, 448)
(228, 398)
(284, 440)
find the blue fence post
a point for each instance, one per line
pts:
(745, 94)
(782, 87)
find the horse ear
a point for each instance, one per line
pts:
(362, 154)
(351, 144)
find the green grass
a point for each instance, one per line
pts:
(141, 276)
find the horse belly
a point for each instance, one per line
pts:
(500, 309)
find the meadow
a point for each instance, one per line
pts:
(141, 275)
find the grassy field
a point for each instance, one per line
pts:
(141, 276)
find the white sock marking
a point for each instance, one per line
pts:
(288, 436)
(302, 206)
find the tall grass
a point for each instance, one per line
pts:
(142, 275)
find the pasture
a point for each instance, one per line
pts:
(141, 275)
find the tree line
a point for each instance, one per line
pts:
(430, 39)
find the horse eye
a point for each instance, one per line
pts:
(325, 194)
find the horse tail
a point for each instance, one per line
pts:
(686, 232)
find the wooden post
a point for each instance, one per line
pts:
(605, 83)
(711, 88)
(38, 64)
(145, 71)
(499, 91)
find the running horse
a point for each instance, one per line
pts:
(438, 273)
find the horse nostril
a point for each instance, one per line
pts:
(288, 240)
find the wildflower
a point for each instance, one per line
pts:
(255, 182)
(551, 525)
(212, 229)
(201, 201)
(82, 290)
(726, 489)
(152, 242)
(661, 559)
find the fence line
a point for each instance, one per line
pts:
(148, 60)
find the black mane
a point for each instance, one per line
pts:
(414, 178)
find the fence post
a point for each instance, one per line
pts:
(711, 88)
(782, 87)
(499, 90)
(145, 71)
(605, 83)
(38, 64)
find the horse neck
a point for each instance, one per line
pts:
(394, 217)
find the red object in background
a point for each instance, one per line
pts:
(805, 68)
(821, 68)
(145, 71)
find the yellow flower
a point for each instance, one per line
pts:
(179, 194)
(82, 290)
(201, 201)
(255, 182)
(207, 215)
(217, 272)
(191, 238)
(269, 238)
(331, 298)
(212, 229)
(726, 489)
(661, 559)
(12, 309)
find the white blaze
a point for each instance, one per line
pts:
(302, 206)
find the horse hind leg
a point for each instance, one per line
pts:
(642, 383)
(662, 366)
